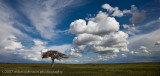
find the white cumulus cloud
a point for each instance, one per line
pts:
(100, 35)
(115, 10)
(102, 19)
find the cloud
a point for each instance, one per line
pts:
(9, 33)
(13, 45)
(137, 16)
(148, 41)
(69, 61)
(115, 10)
(157, 43)
(43, 15)
(99, 58)
(141, 51)
(150, 25)
(102, 58)
(123, 55)
(34, 53)
(102, 19)
(134, 52)
(38, 42)
(100, 35)
(10, 46)
(73, 53)
(130, 27)
(61, 48)
(89, 37)
(41, 18)
(144, 49)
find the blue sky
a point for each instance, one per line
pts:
(89, 31)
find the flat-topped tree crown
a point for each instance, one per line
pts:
(54, 55)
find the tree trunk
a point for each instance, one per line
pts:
(52, 62)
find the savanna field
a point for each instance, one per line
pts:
(120, 69)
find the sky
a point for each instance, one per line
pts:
(88, 31)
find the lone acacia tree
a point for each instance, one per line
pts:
(54, 55)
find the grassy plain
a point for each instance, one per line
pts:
(120, 69)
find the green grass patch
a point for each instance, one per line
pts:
(130, 69)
